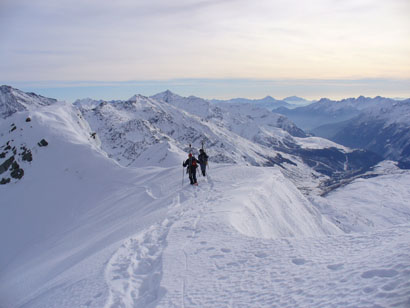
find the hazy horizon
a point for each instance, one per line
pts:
(219, 89)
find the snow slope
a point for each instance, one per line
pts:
(232, 241)
(72, 204)
(384, 203)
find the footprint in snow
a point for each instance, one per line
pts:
(379, 273)
(299, 261)
(217, 256)
(261, 255)
(232, 264)
(335, 267)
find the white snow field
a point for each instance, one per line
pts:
(79, 230)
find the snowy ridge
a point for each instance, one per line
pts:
(197, 258)
(133, 131)
(13, 100)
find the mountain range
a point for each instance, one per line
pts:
(377, 124)
(267, 102)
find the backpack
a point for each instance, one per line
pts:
(194, 162)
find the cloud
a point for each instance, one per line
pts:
(158, 39)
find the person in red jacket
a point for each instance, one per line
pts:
(191, 163)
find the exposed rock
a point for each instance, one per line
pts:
(43, 143)
(17, 172)
(4, 181)
(26, 155)
(6, 165)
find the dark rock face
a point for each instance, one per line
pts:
(16, 171)
(26, 155)
(42, 143)
(4, 181)
(6, 165)
(11, 160)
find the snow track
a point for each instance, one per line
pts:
(134, 272)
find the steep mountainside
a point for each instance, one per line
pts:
(382, 129)
(158, 130)
(380, 125)
(327, 111)
(13, 100)
(232, 115)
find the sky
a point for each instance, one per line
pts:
(208, 48)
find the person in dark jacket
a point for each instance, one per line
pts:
(191, 163)
(203, 161)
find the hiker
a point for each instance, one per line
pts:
(203, 160)
(191, 163)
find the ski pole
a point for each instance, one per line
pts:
(183, 171)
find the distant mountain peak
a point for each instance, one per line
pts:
(294, 98)
(268, 97)
(13, 100)
(325, 100)
(166, 96)
(4, 88)
(137, 97)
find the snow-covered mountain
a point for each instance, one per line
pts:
(80, 229)
(377, 124)
(296, 101)
(327, 111)
(157, 131)
(13, 100)
(383, 129)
